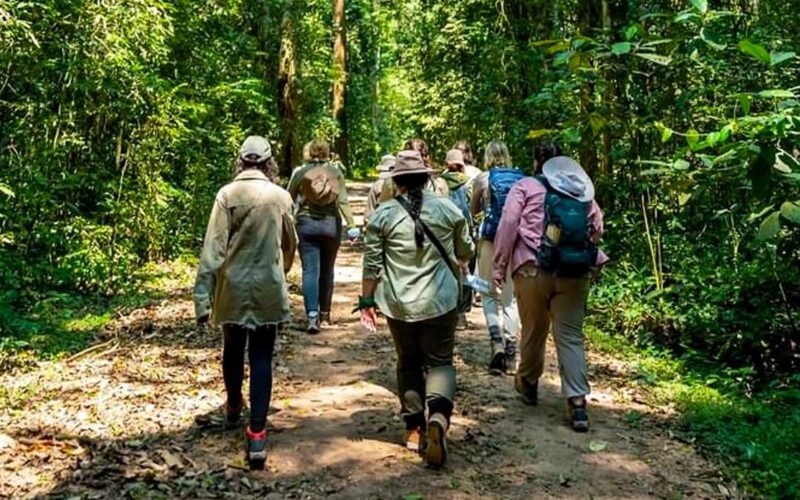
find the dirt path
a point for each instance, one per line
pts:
(122, 421)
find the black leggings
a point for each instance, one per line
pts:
(262, 343)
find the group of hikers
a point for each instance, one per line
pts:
(432, 238)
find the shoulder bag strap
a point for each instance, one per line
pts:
(438, 244)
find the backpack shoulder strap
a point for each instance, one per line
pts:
(434, 240)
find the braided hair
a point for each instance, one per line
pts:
(414, 184)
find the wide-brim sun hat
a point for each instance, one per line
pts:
(566, 176)
(386, 165)
(255, 149)
(409, 163)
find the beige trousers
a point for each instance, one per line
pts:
(543, 300)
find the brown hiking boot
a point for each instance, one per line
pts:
(414, 440)
(436, 445)
(497, 364)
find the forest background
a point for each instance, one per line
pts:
(119, 120)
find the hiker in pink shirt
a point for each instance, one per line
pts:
(547, 239)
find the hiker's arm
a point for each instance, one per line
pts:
(507, 233)
(344, 202)
(595, 223)
(476, 203)
(288, 239)
(294, 183)
(463, 244)
(372, 266)
(211, 259)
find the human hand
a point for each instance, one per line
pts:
(369, 319)
(498, 283)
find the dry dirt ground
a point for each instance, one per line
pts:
(140, 417)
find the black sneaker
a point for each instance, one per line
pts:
(497, 364)
(233, 413)
(578, 416)
(528, 393)
(256, 451)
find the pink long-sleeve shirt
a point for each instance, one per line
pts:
(522, 227)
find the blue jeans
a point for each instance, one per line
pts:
(319, 244)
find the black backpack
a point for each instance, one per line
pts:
(566, 250)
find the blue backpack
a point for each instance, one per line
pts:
(566, 248)
(460, 199)
(501, 180)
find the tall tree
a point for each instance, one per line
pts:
(340, 78)
(287, 96)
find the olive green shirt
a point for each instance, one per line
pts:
(341, 207)
(415, 284)
(249, 245)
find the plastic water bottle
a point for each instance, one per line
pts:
(477, 284)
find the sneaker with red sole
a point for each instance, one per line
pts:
(256, 451)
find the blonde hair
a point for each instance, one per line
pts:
(318, 150)
(496, 154)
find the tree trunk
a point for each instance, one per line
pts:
(340, 78)
(290, 154)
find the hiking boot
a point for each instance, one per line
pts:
(325, 319)
(462, 323)
(233, 413)
(511, 363)
(313, 324)
(497, 364)
(414, 439)
(528, 393)
(256, 451)
(578, 416)
(436, 445)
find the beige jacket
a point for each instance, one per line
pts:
(249, 246)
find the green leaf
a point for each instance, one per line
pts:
(745, 101)
(542, 132)
(684, 198)
(755, 50)
(666, 134)
(686, 16)
(681, 165)
(777, 93)
(631, 31)
(781, 165)
(701, 5)
(770, 227)
(777, 58)
(760, 214)
(692, 137)
(791, 212)
(621, 48)
(711, 43)
(597, 446)
(658, 59)
(6, 190)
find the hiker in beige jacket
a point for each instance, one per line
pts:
(249, 246)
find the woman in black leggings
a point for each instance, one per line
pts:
(241, 283)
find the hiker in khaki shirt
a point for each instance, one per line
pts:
(241, 285)
(414, 284)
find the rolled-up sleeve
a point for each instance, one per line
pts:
(212, 258)
(507, 231)
(288, 238)
(463, 244)
(373, 253)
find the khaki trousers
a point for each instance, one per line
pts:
(543, 300)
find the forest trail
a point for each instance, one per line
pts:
(140, 417)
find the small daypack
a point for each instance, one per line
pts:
(501, 180)
(461, 201)
(567, 249)
(320, 186)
